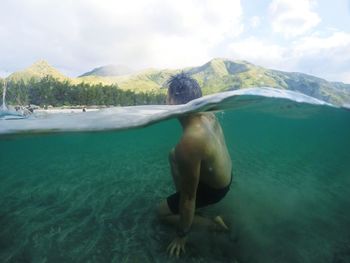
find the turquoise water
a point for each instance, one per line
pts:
(91, 196)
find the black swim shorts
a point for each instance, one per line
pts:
(206, 195)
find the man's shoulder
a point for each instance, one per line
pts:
(196, 135)
(191, 143)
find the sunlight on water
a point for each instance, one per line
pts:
(91, 197)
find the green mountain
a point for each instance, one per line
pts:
(108, 71)
(214, 76)
(336, 93)
(221, 75)
(149, 80)
(37, 71)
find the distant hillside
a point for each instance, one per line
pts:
(108, 71)
(334, 92)
(221, 75)
(149, 80)
(214, 76)
(38, 70)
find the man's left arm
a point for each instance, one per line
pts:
(189, 168)
(188, 161)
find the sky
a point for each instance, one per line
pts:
(75, 36)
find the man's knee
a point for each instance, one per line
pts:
(171, 156)
(163, 209)
(173, 165)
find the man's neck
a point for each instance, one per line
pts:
(187, 120)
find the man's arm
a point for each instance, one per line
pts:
(188, 158)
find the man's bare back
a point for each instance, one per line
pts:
(216, 165)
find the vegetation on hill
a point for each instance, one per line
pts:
(37, 71)
(214, 76)
(54, 92)
(221, 75)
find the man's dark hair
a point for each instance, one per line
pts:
(183, 88)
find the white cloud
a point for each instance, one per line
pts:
(325, 56)
(328, 55)
(315, 44)
(293, 17)
(257, 51)
(78, 35)
(255, 21)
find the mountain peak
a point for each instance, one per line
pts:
(38, 70)
(221, 67)
(228, 61)
(218, 60)
(41, 62)
(109, 71)
(41, 65)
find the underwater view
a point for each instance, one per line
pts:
(84, 187)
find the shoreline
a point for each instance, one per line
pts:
(65, 110)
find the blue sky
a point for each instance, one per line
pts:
(310, 36)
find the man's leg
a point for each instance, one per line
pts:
(166, 216)
(173, 168)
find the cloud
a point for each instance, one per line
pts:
(255, 21)
(160, 33)
(293, 18)
(78, 35)
(258, 51)
(326, 56)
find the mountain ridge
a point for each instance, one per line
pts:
(217, 75)
(108, 71)
(37, 70)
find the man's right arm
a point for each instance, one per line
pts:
(188, 162)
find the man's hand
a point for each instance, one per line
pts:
(177, 246)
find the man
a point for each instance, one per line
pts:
(200, 165)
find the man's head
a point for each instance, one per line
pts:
(182, 89)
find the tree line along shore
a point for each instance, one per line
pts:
(52, 92)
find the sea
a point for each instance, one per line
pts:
(84, 187)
